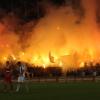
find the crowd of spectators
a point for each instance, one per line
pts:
(88, 70)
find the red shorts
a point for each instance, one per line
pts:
(8, 79)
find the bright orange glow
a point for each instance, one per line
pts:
(56, 39)
(81, 64)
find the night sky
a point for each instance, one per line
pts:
(28, 10)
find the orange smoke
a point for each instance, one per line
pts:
(55, 40)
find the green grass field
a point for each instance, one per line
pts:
(56, 91)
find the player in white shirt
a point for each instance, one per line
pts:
(21, 77)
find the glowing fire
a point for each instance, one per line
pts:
(65, 61)
(55, 40)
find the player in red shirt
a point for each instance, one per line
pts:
(7, 77)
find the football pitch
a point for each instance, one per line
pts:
(55, 91)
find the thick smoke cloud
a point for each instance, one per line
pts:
(62, 29)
